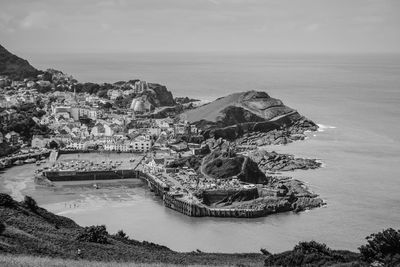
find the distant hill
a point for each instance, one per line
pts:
(246, 106)
(232, 116)
(14, 66)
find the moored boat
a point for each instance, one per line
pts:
(18, 162)
(31, 160)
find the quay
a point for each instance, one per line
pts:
(190, 206)
(184, 203)
(10, 160)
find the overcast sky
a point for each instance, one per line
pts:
(71, 26)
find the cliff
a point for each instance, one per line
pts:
(14, 66)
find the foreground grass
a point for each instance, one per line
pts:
(30, 261)
(31, 230)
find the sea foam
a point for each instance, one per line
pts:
(322, 127)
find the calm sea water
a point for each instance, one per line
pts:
(357, 95)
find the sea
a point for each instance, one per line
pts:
(355, 99)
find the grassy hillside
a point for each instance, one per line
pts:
(32, 236)
(249, 106)
(30, 261)
(33, 231)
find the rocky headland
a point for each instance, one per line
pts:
(250, 118)
(14, 66)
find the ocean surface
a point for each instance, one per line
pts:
(355, 99)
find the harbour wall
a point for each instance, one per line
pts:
(58, 176)
(214, 196)
(171, 200)
(191, 208)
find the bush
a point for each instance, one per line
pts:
(312, 247)
(30, 203)
(122, 234)
(6, 200)
(383, 247)
(2, 228)
(311, 254)
(94, 234)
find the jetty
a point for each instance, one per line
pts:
(175, 193)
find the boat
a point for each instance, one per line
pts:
(31, 160)
(18, 162)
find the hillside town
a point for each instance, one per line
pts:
(90, 121)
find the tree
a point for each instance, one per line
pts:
(2, 227)
(107, 105)
(30, 203)
(6, 200)
(53, 145)
(95, 234)
(383, 247)
(102, 93)
(122, 234)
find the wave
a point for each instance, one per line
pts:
(323, 164)
(322, 127)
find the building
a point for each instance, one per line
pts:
(39, 141)
(12, 137)
(180, 128)
(114, 94)
(90, 113)
(141, 144)
(77, 145)
(8, 115)
(102, 130)
(44, 83)
(139, 87)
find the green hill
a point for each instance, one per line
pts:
(33, 231)
(14, 66)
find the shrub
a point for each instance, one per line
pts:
(30, 203)
(6, 200)
(383, 247)
(310, 254)
(2, 227)
(122, 234)
(95, 234)
(312, 247)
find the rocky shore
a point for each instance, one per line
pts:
(275, 162)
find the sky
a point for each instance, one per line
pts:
(124, 26)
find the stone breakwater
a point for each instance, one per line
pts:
(58, 176)
(283, 196)
(191, 206)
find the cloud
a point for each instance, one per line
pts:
(111, 3)
(105, 26)
(215, 2)
(312, 27)
(35, 20)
